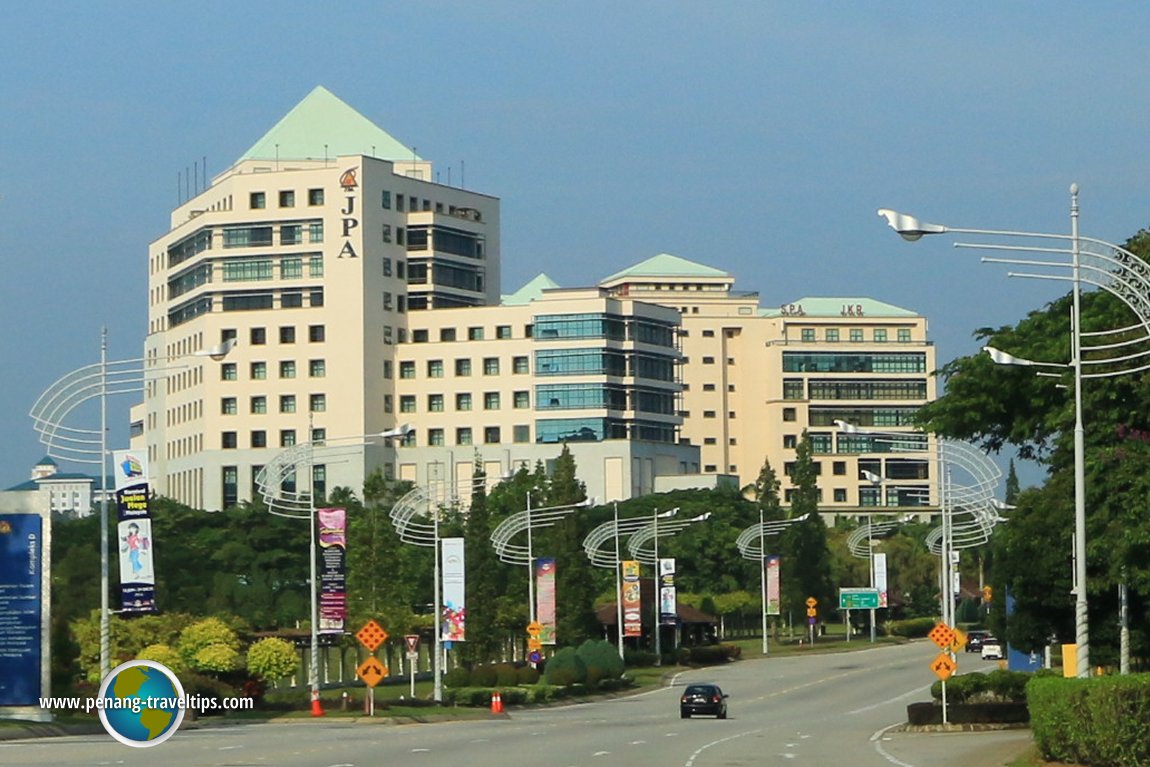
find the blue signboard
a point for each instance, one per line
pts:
(21, 565)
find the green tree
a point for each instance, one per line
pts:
(574, 580)
(272, 658)
(484, 576)
(806, 564)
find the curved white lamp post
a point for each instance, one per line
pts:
(59, 401)
(752, 546)
(1092, 262)
(299, 503)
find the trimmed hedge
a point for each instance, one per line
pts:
(912, 628)
(1100, 721)
(999, 685)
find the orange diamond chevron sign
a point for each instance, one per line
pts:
(943, 666)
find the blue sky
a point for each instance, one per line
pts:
(758, 137)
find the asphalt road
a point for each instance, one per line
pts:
(806, 710)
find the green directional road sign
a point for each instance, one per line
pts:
(858, 599)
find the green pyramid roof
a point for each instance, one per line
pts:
(666, 265)
(322, 126)
(529, 292)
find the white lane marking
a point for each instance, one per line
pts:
(691, 760)
(896, 699)
(345, 764)
(876, 740)
(229, 748)
(601, 753)
(638, 742)
(421, 750)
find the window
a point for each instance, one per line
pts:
(227, 334)
(521, 365)
(399, 202)
(315, 333)
(315, 232)
(435, 403)
(491, 400)
(708, 334)
(315, 197)
(490, 366)
(708, 360)
(259, 405)
(287, 334)
(808, 334)
(832, 335)
(435, 368)
(291, 299)
(840, 495)
(407, 403)
(385, 199)
(435, 437)
(259, 438)
(790, 442)
(258, 200)
(228, 440)
(463, 401)
(709, 441)
(447, 334)
(880, 335)
(387, 308)
(291, 234)
(475, 334)
(904, 335)
(388, 369)
(287, 437)
(710, 468)
(228, 371)
(315, 265)
(491, 435)
(793, 388)
(259, 371)
(388, 403)
(522, 400)
(287, 403)
(317, 403)
(287, 369)
(521, 433)
(228, 406)
(317, 368)
(318, 435)
(287, 199)
(839, 468)
(790, 414)
(856, 335)
(231, 482)
(406, 369)
(315, 297)
(463, 436)
(259, 336)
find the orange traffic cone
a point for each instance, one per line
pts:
(496, 703)
(316, 708)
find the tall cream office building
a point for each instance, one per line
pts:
(363, 294)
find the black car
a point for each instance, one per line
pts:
(974, 640)
(703, 699)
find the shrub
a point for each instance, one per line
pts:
(272, 658)
(208, 688)
(526, 675)
(565, 668)
(218, 658)
(201, 634)
(601, 659)
(911, 628)
(506, 675)
(997, 686)
(639, 658)
(1098, 721)
(164, 654)
(457, 677)
(483, 676)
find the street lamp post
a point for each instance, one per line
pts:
(613, 529)
(752, 545)
(1097, 263)
(87, 446)
(300, 504)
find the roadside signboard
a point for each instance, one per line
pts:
(859, 599)
(943, 666)
(371, 671)
(371, 635)
(942, 635)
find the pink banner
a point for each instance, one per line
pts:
(772, 565)
(545, 599)
(332, 524)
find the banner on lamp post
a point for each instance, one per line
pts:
(771, 563)
(632, 600)
(332, 537)
(545, 599)
(134, 533)
(880, 578)
(453, 621)
(668, 614)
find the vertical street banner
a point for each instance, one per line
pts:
(134, 533)
(332, 537)
(23, 636)
(453, 621)
(545, 598)
(668, 614)
(880, 578)
(771, 563)
(632, 601)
